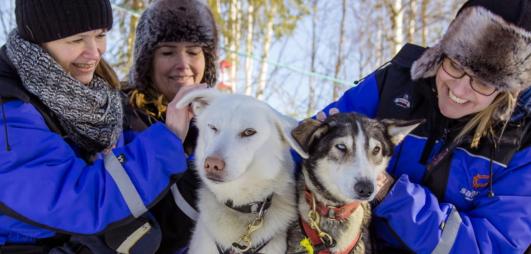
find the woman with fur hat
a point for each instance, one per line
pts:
(69, 182)
(460, 182)
(175, 50)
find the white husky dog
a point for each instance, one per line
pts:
(247, 199)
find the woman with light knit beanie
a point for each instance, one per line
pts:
(71, 181)
(175, 52)
(460, 182)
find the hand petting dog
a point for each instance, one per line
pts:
(178, 119)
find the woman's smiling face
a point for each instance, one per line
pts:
(177, 64)
(456, 97)
(79, 54)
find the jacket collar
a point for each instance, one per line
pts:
(10, 83)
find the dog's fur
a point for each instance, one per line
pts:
(345, 153)
(252, 142)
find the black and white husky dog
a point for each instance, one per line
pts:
(346, 152)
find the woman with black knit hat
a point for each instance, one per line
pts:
(175, 51)
(460, 183)
(68, 182)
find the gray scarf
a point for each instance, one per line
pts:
(91, 115)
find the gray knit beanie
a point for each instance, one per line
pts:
(173, 21)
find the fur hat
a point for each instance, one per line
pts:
(173, 21)
(491, 39)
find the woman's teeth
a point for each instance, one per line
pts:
(455, 99)
(84, 66)
(180, 78)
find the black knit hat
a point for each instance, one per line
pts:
(173, 21)
(42, 21)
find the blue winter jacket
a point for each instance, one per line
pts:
(448, 210)
(46, 187)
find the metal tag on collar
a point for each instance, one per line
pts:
(331, 213)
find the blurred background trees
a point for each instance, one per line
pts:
(298, 55)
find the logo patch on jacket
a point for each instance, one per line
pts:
(403, 101)
(468, 194)
(480, 181)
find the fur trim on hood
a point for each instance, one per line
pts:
(488, 47)
(173, 21)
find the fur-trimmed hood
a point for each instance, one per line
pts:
(488, 47)
(173, 21)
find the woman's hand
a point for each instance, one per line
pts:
(178, 120)
(383, 182)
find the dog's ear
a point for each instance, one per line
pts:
(307, 131)
(284, 126)
(199, 99)
(398, 129)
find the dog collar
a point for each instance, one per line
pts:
(331, 212)
(319, 247)
(254, 207)
(254, 250)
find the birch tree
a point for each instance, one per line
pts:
(341, 40)
(313, 57)
(7, 18)
(266, 47)
(412, 16)
(255, 25)
(249, 48)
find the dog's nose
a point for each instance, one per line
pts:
(214, 164)
(364, 189)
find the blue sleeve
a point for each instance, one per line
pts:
(363, 98)
(501, 224)
(45, 183)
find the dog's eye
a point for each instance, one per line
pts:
(247, 133)
(341, 147)
(376, 150)
(213, 128)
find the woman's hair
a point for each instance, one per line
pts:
(150, 101)
(483, 122)
(105, 71)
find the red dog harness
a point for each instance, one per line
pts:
(332, 213)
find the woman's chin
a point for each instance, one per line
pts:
(84, 78)
(451, 111)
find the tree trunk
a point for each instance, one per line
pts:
(249, 49)
(424, 21)
(136, 5)
(262, 74)
(412, 21)
(310, 109)
(233, 41)
(339, 59)
(380, 42)
(396, 16)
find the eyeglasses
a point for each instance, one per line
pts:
(455, 71)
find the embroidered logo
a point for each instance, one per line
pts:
(480, 181)
(403, 101)
(469, 194)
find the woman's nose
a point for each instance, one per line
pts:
(181, 61)
(92, 50)
(462, 86)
